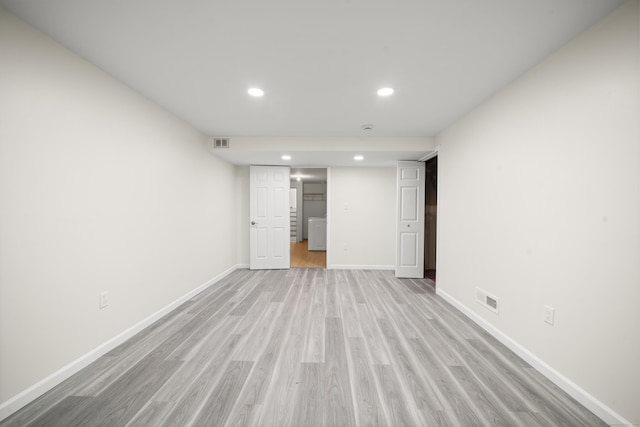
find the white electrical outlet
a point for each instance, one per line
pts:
(345, 247)
(104, 302)
(549, 314)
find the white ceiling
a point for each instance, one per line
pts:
(320, 63)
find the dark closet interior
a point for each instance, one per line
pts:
(430, 218)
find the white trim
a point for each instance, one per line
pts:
(329, 217)
(430, 155)
(607, 414)
(359, 267)
(38, 389)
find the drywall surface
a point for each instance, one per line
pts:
(333, 143)
(101, 191)
(367, 226)
(242, 213)
(362, 217)
(539, 204)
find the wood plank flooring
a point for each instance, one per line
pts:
(301, 256)
(309, 347)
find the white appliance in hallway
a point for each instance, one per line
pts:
(317, 233)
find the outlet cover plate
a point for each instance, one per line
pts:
(549, 314)
(104, 302)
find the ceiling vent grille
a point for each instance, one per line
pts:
(217, 143)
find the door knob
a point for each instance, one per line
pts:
(253, 223)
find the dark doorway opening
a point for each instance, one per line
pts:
(430, 218)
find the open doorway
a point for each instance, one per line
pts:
(430, 218)
(309, 217)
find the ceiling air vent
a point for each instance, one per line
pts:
(219, 143)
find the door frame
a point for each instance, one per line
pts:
(329, 192)
(301, 209)
(425, 159)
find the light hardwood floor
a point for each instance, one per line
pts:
(302, 257)
(309, 347)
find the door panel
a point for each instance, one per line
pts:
(269, 217)
(261, 208)
(261, 242)
(408, 252)
(278, 196)
(278, 239)
(409, 204)
(410, 226)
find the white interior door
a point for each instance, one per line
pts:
(269, 217)
(410, 226)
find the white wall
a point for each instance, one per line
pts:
(101, 190)
(242, 213)
(369, 143)
(367, 227)
(362, 203)
(539, 204)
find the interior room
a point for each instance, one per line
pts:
(130, 137)
(308, 217)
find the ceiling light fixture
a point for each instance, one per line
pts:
(385, 91)
(286, 157)
(358, 157)
(254, 91)
(298, 178)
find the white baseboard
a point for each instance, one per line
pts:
(360, 267)
(30, 394)
(587, 400)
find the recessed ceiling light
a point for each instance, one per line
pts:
(298, 178)
(254, 91)
(358, 157)
(385, 91)
(286, 157)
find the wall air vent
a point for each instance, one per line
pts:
(217, 143)
(487, 300)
